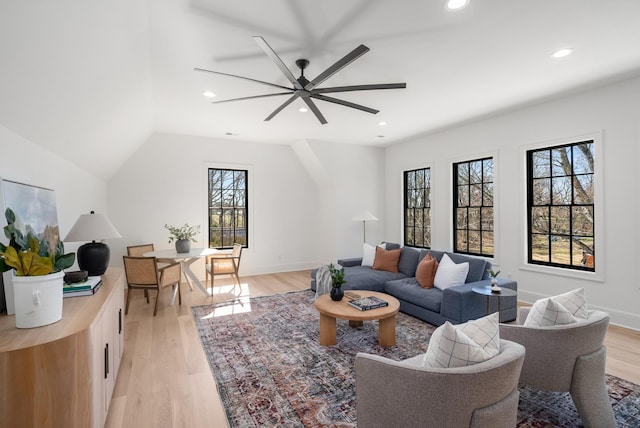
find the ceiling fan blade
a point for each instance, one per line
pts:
(312, 106)
(359, 88)
(282, 106)
(339, 65)
(345, 103)
(251, 97)
(241, 77)
(276, 59)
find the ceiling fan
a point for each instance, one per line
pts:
(308, 90)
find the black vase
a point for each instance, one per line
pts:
(337, 293)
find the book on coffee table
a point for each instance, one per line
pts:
(366, 303)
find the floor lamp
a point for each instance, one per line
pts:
(364, 216)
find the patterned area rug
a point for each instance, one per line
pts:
(271, 371)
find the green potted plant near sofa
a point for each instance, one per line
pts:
(183, 235)
(337, 281)
(38, 274)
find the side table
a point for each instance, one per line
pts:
(486, 291)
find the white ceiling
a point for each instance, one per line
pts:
(92, 80)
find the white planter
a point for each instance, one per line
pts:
(38, 299)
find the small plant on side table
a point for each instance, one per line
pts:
(494, 279)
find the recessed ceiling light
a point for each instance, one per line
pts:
(383, 123)
(562, 53)
(456, 4)
(379, 136)
(208, 94)
(303, 110)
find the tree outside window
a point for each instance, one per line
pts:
(417, 208)
(560, 196)
(473, 207)
(228, 207)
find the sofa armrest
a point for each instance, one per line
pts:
(354, 261)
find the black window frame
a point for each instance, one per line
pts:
(228, 215)
(552, 233)
(484, 209)
(420, 210)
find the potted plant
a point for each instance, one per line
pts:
(337, 281)
(38, 274)
(183, 236)
(494, 280)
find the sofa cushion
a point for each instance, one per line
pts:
(426, 271)
(386, 259)
(391, 245)
(410, 291)
(477, 267)
(408, 261)
(450, 274)
(365, 278)
(464, 344)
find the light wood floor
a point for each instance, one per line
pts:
(165, 379)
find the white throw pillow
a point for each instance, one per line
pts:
(464, 344)
(369, 253)
(450, 274)
(575, 302)
(547, 312)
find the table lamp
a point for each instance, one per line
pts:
(364, 216)
(92, 256)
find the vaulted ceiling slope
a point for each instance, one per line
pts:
(91, 80)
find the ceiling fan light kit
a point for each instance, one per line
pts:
(305, 89)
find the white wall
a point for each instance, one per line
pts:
(356, 176)
(77, 191)
(613, 110)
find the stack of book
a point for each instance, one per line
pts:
(366, 303)
(83, 288)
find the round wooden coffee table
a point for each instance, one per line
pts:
(330, 310)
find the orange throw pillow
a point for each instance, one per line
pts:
(426, 271)
(386, 259)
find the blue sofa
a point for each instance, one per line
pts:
(455, 304)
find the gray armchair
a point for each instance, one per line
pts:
(568, 358)
(403, 394)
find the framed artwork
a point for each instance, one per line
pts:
(36, 212)
(35, 209)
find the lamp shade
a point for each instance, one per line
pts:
(92, 227)
(364, 215)
(92, 256)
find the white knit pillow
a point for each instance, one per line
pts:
(547, 312)
(450, 274)
(463, 344)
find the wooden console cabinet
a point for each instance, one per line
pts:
(63, 374)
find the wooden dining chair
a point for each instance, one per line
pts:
(143, 274)
(140, 251)
(224, 264)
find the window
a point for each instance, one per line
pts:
(228, 206)
(473, 207)
(417, 208)
(560, 202)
